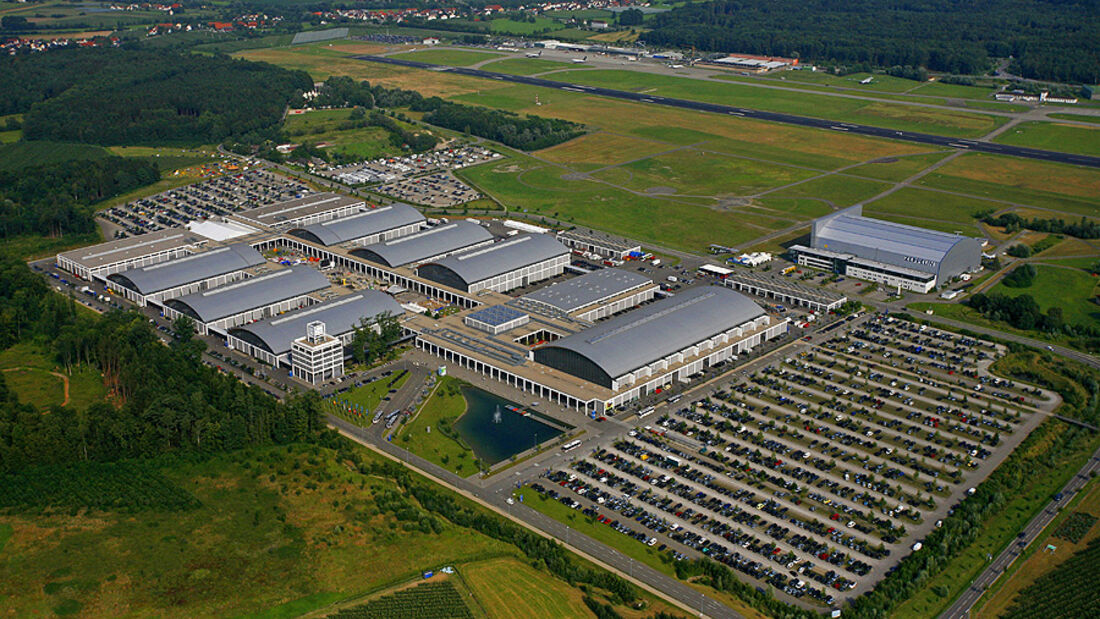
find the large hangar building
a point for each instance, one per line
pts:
(431, 244)
(159, 282)
(303, 211)
(594, 368)
(98, 261)
(249, 300)
(672, 339)
(895, 255)
(371, 226)
(500, 267)
(270, 340)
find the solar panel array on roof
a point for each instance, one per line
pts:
(189, 269)
(359, 225)
(250, 294)
(587, 289)
(340, 316)
(496, 315)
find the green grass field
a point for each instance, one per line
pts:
(896, 169)
(1053, 136)
(1084, 118)
(27, 372)
(841, 191)
(959, 91)
(880, 113)
(452, 57)
(879, 82)
(932, 205)
(1067, 288)
(697, 173)
(525, 66)
(422, 435)
(1073, 190)
(27, 154)
(325, 126)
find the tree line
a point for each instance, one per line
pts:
(1011, 222)
(1023, 312)
(163, 399)
(53, 199)
(144, 96)
(940, 35)
(521, 132)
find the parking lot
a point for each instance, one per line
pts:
(816, 472)
(210, 198)
(393, 169)
(440, 189)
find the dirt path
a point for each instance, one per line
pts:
(64, 380)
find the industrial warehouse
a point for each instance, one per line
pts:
(895, 255)
(273, 283)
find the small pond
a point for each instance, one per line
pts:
(495, 432)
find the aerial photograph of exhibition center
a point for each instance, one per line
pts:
(607, 308)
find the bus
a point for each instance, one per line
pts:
(645, 411)
(571, 445)
(674, 399)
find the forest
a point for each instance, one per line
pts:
(130, 96)
(162, 399)
(1055, 40)
(53, 200)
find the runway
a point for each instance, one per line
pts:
(790, 119)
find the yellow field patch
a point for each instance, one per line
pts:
(1026, 174)
(507, 587)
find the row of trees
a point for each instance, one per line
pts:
(144, 96)
(163, 398)
(1011, 222)
(941, 35)
(53, 199)
(521, 132)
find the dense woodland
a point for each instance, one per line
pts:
(54, 200)
(129, 96)
(1049, 39)
(163, 398)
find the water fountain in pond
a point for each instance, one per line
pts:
(496, 415)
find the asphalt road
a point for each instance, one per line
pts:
(790, 119)
(963, 605)
(495, 497)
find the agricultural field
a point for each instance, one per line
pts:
(1067, 288)
(503, 588)
(1062, 137)
(452, 57)
(431, 434)
(1070, 533)
(431, 600)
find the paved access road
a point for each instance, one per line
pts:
(790, 119)
(963, 605)
(496, 494)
